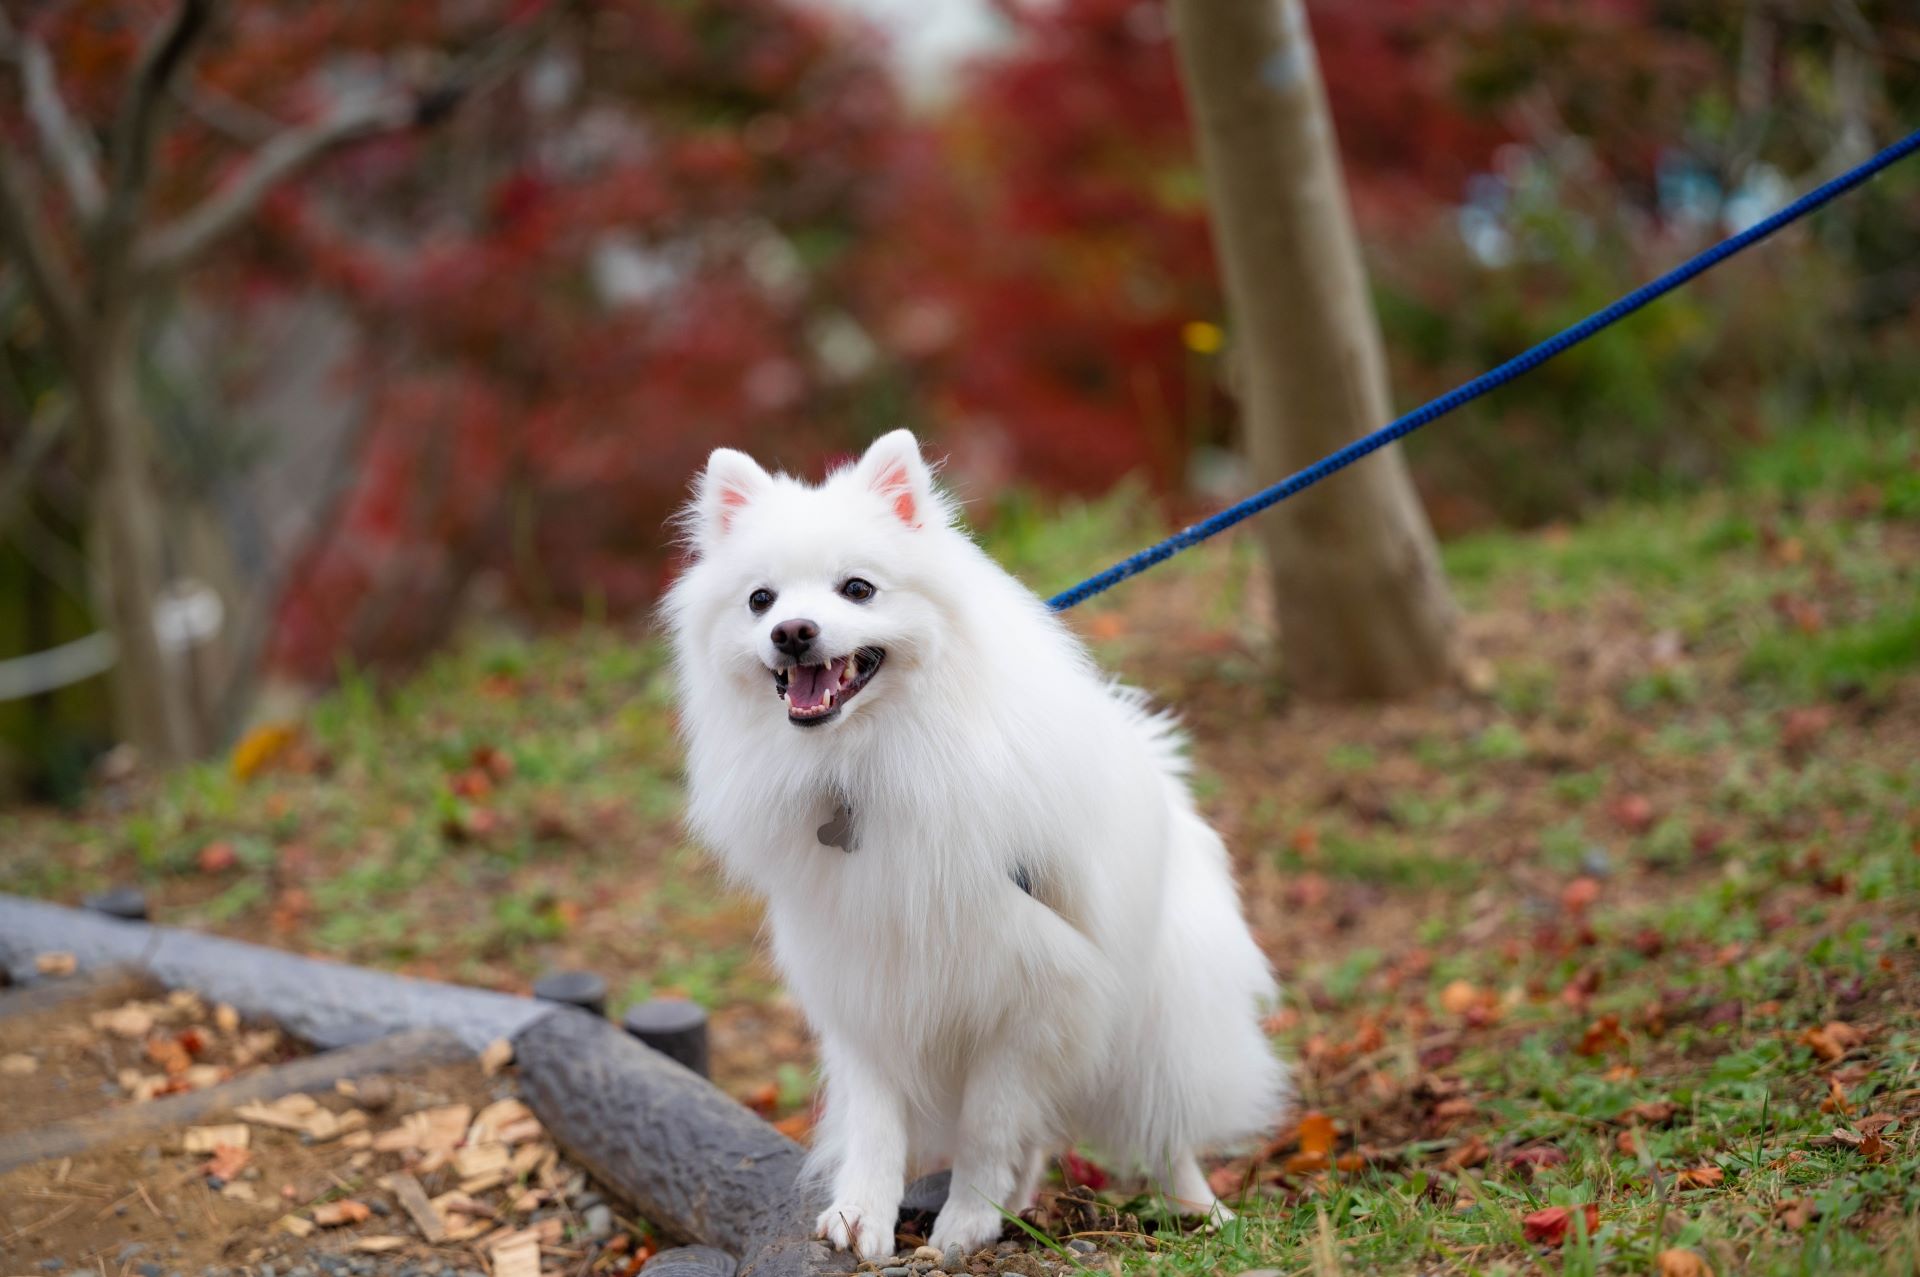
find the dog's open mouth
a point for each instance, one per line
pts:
(815, 693)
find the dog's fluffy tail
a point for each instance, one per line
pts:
(1200, 1072)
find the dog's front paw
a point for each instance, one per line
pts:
(865, 1228)
(968, 1225)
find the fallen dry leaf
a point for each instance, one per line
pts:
(1796, 1213)
(1467, 1154)
(1708, 1176)
(1537, 1157)
(1831, 1041)
(1875, 1149)
(1602, 1035)
(1836, 1101)
(1650, 1112)
(345, 1211)
(1316, 1133)
(1681, 1263)
(1550, 1227)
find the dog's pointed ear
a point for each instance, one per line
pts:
(731, 482)
(893, 468)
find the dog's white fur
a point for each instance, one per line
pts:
(960, 1018)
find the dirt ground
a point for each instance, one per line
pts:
(346, 1181)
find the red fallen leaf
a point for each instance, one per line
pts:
(1449, 1113)
(1305, 842)
(1602, 1035)
(1082, 1172)
(1707, 839)
(796, 1128)
(1227, 1181)
(493, 762)
(472, 783)
(1875, 1149)
(1628, 1142)
(166, 1051)
(1708, 1176)
(1650, 1113)
(1648, 943)
(1633, 813)
(1802, 727)
(217, 858)
(227, 1161)
(1535, 1158)
(1549, 1227)
(1580, 895)
(763, 1099)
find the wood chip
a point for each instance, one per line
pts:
(497, 1056)
(429, 1130)
(378, 1245)
(489, 1121)
(481, 1159)
(241, 1191)
(204, 1139)
(226, 1019)
(297, 1226)
(55, 964)
(18, 1065)
(516, 1255)
(131, 1021)
(413, 1199)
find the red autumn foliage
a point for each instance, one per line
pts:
(1550, 1227)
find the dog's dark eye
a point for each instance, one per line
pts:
(857, 589)
(760, 600)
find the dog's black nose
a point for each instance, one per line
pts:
(795, 637)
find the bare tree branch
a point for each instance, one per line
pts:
(43, 432)
(177, 246)
(67, 147)
(136, 130)
(31, 245)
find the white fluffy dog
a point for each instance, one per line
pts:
(985, 879)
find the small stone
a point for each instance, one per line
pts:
(898, 1270)
(599, 1220)
(52, 1265)
(955, 1260)
(149, 1270)
(1082, 1245)
(927, 1253)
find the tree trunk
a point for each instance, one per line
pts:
(152, 696)
(1362, 606)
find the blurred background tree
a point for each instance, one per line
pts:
(465, 370)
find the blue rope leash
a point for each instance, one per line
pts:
(1187, 538)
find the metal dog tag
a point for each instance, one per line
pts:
(839, 832)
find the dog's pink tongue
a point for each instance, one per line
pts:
(807, 685)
